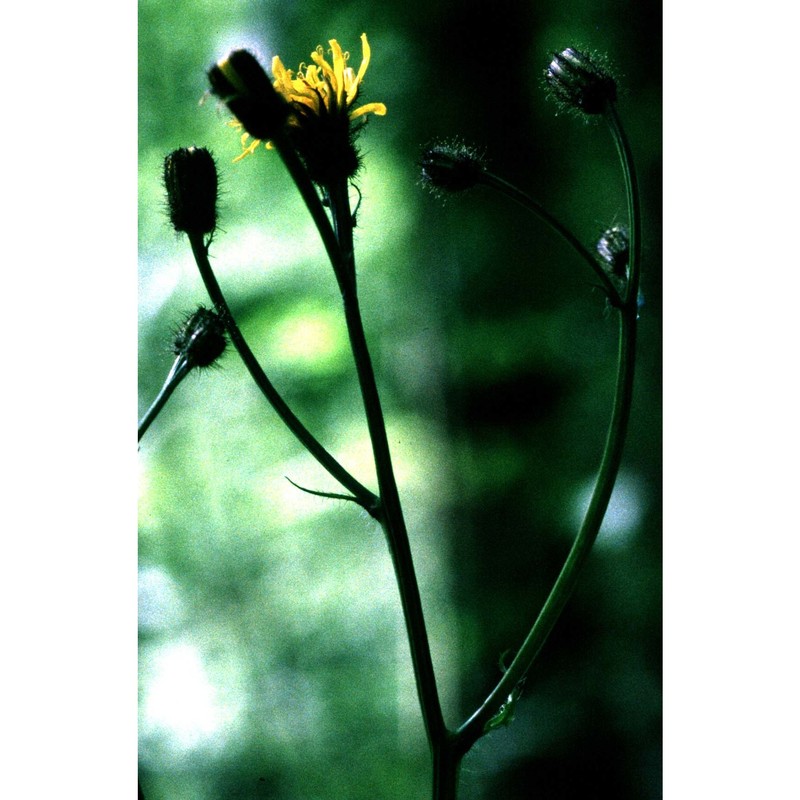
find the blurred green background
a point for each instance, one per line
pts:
(273, 658)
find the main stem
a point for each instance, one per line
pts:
(391, 516)
(446, 764)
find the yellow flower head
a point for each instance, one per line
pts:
(321, 88)
(322, 97)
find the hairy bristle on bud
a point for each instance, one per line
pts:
(451, 166)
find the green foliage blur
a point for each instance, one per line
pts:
(273, 658)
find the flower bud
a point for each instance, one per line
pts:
(241, 83)
(451, 166)
(613, 249)
(200, 340)
(579, 81)
(190, 177)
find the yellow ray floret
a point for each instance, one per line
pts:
(320, 89)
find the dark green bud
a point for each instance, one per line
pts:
(200, 340)
(451, 166)
(241, 83)
(190, 178)
(580, 82)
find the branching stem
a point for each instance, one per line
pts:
(364, 496)
(525, 200)
(447, 747)
(475, 726)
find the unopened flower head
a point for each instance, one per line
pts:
(190, 178)
(324, 116)
(241, 83)
(580, 82)
(200, 339)
(451, 166)
(614, 251)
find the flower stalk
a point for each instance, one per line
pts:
(476, 725)
(180, 369)
(198, 343)
(526, 201)
(391, 516)
(363, 496)
(634, 204)
(317, 147)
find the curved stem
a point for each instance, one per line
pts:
(180, 369)
(364, 496)
(392, 515)
(475, 726)
(525, 200)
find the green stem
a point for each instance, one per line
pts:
(310, 195)
(525, 200)
(634, 204)
(392, 515)
(180, 369)
(446, 766)
(475, 726)
(362, 495)
(338, 243)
